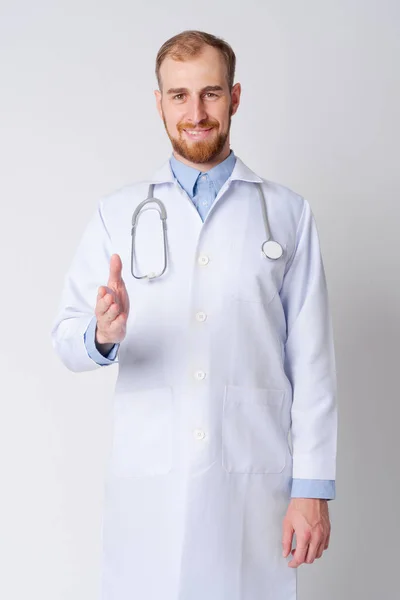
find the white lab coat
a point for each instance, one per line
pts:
(226, 387)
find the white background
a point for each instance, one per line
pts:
(319, 114)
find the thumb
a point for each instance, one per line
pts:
(287, 538)
(115, 270)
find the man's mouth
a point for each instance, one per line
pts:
(198, 134)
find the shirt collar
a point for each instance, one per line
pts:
(187, 176)
(241, 172)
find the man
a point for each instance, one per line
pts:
(222, 359)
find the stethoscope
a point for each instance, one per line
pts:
(270, 248)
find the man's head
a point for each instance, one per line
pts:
(195, 73)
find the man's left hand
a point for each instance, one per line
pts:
(308, 518)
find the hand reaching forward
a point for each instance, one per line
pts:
(309, 519)
(112, 306)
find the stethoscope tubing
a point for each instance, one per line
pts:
(163, 216)
(275, 252)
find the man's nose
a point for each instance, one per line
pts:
(197, 111)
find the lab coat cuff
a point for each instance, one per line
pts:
(314, 488)
(90, 344)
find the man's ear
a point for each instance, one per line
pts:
(236, 91)
(158, 96)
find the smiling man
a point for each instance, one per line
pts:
(197, 115)
(224, 415)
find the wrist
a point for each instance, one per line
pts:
(101, 342)
(299, 499)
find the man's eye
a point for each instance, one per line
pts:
(180, 96)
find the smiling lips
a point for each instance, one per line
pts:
(198, 134)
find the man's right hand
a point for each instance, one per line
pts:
(112, 306)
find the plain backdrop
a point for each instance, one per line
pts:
(319, 114)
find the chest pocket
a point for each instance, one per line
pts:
(143, 432)
(254, 277)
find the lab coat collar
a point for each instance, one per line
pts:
(188, 176)
(241, 172)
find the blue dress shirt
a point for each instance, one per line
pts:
(203, 188)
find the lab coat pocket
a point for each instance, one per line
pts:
(143, 432)
(256, 278)
(253, 437)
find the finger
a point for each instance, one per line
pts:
(313, 548)
(110, 315)
(103, 304)
(108, 309)
(301, 549)
(120, 320)
(115, 270)
(105, 296)
(328, 537)
(287, 538)
(113, 325)
(299, 556)
(320, 550)
(102, 291)
(117, 327)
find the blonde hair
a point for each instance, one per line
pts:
(190, 43)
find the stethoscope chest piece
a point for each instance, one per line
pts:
(272, 249)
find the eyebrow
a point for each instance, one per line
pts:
(208, 88)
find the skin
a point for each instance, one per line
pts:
(309, 519)
(186, 102)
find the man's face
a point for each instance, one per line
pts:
(196, 106)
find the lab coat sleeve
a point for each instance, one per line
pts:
(310, 356)
(89, 269)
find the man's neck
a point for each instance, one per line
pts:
(204, 166)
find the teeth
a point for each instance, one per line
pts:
(193, 132)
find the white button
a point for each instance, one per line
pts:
(203, 177)
(203, 259)
(201, 316)
(199, 374)
(199, 434)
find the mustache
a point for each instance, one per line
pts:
(205, 125)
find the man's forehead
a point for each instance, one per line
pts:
(207, 64)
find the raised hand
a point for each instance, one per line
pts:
(112, 306)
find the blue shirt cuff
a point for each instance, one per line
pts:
(90, 344)
(314, 488)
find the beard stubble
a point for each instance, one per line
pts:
(201, 151)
